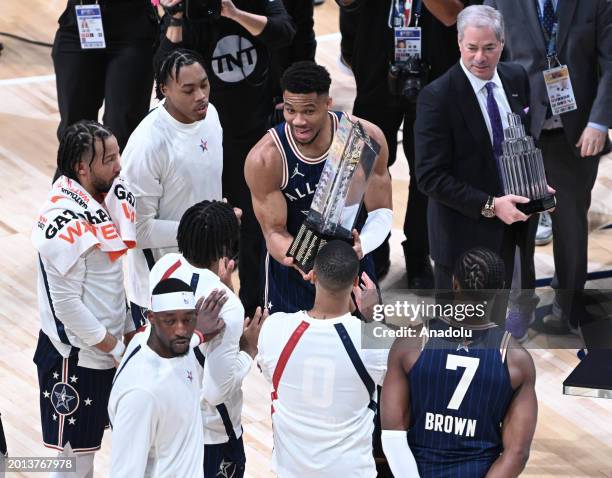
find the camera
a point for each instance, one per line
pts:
(408, 78)
(197, 10)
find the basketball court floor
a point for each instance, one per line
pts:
(574, 434)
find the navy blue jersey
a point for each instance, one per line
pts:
(284, 288)
(460, 391)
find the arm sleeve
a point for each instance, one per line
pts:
(133, 432)
(225, 366)
(400, 458)
(146, 167)
(280, 29)
(66, 295)
(434, 158)
(601, 111)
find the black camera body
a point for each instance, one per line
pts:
(407, 78)
(197, 10)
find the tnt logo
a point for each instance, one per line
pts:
(234, 59)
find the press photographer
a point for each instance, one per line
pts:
(399, 47)
(236, 40)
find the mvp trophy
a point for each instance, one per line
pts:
(522, 168)
(339, 194)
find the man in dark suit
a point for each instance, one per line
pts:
(458, 134)
(572, 142)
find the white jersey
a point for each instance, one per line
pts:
(225, 366)
(154, 409)
(170, 166)
(80, 306)
(321, 413)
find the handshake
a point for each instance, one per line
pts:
(194, 10)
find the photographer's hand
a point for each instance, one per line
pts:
(254, 24)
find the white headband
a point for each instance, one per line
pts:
(173, 301)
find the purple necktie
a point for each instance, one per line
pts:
(496, 124)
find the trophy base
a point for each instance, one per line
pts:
(537, 205)
(306, 245)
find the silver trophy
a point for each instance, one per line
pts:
(339, 194)
(522, 168)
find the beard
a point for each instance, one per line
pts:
(178, 350)
(101, 186)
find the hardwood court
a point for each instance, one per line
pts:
(573, 437)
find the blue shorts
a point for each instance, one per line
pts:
(225, 460)
(73, 399)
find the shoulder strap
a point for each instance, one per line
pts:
(134, 352)
(284, 357)
(227, 422)
(357, 363)
(503, 347)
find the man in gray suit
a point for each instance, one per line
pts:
(577, 34)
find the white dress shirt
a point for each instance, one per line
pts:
(480, 91)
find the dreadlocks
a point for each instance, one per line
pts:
(171, 66)
(480, 269)
(77, 140)
(208, 231)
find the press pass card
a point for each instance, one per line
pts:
(407, 43)
(89, 21)
(560, 91)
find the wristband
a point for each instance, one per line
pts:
(118, 350)
(176, 22)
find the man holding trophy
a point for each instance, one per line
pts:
(283, 171)
(482, 175)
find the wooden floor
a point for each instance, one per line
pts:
(573, 437)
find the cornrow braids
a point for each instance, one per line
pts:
(78, 139)
(480, 269)
(208, 231)
(304, 77)
(171, 66)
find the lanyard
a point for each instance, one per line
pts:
(401, 12)
(550, 40)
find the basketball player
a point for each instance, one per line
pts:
(207, 235)
(323, 383)
(469, 405)
(154, 406)
(82, 230)
(173, 160)
(282, 172)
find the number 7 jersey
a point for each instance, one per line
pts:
(460, 391)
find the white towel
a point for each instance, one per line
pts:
(72, 221)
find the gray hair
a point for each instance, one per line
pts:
(480, 16)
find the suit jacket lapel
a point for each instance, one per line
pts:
(530, 12)
(565, 14)
(511, 93)
(470, 109)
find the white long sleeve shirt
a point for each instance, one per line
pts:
(154, 408)
(321, 420)
(87, 301)
(225, 366)
(169, 166)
